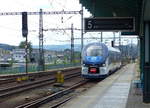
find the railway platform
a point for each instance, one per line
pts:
(116, 91)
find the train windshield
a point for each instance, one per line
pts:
(94, 51)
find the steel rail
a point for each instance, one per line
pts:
(18, 89)
(12, 78)
(41, 101)
(8, 80)
(61, 102)
(40, 72)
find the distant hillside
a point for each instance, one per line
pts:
(77, 47)
(127, 50)
(7, 47)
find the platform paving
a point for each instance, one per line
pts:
(135, 98)
(117, 91)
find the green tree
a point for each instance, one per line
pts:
(23, 44)
(29, 46)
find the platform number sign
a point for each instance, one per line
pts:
(109, 24)
(90, 25)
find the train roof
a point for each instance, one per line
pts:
(113, 49)
(93, 44)
(103, 45)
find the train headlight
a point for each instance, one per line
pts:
(104, 65)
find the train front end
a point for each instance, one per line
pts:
(94, 58)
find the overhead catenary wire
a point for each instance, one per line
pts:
(48, 13)
(43, 13)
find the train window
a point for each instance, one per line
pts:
(94, 51)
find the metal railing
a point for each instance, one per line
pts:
(33, 68)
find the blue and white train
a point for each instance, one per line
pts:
(99, 60)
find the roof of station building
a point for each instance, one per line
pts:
(117, 8)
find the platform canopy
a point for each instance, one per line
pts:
(116, 8)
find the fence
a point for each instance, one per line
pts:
(33, 68)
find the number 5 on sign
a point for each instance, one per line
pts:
(89, 24)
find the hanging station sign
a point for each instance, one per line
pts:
(109, 24)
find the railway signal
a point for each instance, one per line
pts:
(24, 24)
(25, 33)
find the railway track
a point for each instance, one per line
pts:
(12, 78)
(21, 88)
(49, 93)
(44, 100)
(66, 95)
(8, 80)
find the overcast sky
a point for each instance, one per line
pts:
(10, 26)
